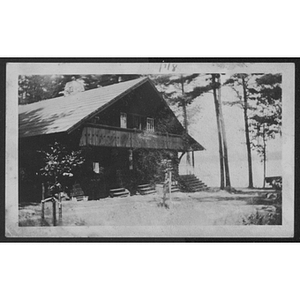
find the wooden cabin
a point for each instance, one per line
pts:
(116, 125)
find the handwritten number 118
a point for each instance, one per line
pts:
(168, 67)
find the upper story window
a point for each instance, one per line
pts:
(137, 122)
(150, 125)
(123, 120)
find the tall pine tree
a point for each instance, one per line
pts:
(183, 92)
(240, 84)
(267, 118)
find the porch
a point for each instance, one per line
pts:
(109, 136)
(130, 157)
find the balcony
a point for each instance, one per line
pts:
(107, 136)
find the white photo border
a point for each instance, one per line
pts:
(286, 230)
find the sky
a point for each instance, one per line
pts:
(203, 128)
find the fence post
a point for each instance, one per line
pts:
(165, 189)
(54, 212)
(59, 209)
(43, 191)
(43, 209)
(43, 198)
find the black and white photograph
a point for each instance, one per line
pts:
(150, 149)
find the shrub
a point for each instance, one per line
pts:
(59, 166)
(152, 164)
(271, 218)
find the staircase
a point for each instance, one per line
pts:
(190, 183)
(119, 192)
(146, 189)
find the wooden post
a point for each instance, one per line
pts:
(170, 185)
(54, 212)
(43, 209)
(165, 189)
(193, 160)
(59, 209)
(43, 191)
(43, 197)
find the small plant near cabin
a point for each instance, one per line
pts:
(59, 166)
(165, 205)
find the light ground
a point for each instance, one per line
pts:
(202, 208)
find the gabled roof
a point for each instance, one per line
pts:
(61, 114)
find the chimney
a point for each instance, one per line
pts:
(73, 87)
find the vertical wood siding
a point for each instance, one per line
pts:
(129, 139)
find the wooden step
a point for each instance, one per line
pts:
(146, 189)
(144, 185)
(149, 192)
(117, 189)
(118, 192)
(191, 183)
(195, 184)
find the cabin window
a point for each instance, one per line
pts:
(123, 120)
(137, 124)
(96, 167)
(135, 121)
(150, 124)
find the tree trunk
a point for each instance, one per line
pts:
(185, 123)
(265, 156)
(226, 164)
(219, 133)
(250, 174)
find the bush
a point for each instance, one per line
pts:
(59, 165)
(152, 164)
(271, 218)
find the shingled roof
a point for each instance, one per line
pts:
(61, 114)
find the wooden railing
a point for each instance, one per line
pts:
(106, 136)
